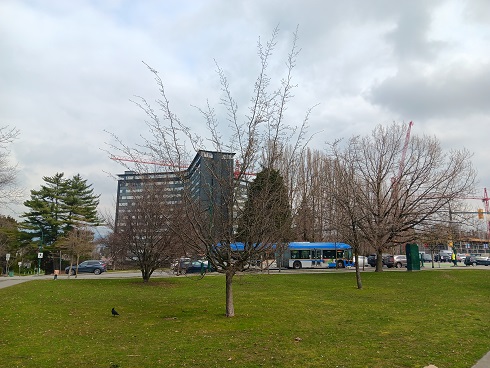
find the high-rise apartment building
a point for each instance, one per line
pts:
(208, 180)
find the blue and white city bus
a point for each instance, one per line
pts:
(316, 255)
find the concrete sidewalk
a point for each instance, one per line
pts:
(483, 362)
(5, 282)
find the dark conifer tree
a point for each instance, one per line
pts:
(267, 211)
(58, 207)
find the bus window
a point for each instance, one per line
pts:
(304, 254)
(328, 254)
(300, 254)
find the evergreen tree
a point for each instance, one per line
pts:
(9, 236)
(45, 218)
(60, 206)
(80, 204)
(267, 212)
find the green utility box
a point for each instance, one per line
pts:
(413, 257)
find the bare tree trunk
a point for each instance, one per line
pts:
(78, 262)
(358, 272)
(146, 274)
(71, 266)
(230, 307)
(379, 260)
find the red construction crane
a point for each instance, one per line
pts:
(238, 171)
(486, 205)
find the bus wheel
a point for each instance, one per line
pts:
(340, 264)
(296, 265)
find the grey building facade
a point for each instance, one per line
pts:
(208, 181)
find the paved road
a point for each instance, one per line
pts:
(10, 281)
(14, 280)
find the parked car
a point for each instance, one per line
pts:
(397, 261)
(185, 265)
(460, 257)
(97, 267)
(470, 261)
(371, 259)
(442, 258)
(484, 261)
(198, 267)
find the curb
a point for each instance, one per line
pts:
(483, 362)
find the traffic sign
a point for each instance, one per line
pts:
(7, 256)
(39, 255)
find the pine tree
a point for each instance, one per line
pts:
(60, 206)
(267, 212)
(45, 218)
(80, 204)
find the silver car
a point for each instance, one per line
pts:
(397, 261)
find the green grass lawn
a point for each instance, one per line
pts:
(399, 319)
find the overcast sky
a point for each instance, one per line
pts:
(68, 70)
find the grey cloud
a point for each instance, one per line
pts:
(410, 38)
(457, 91)
(70, 68)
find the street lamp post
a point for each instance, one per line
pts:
(40, 254)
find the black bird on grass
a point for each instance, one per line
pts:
(114, 312)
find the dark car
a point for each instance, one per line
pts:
(91, 266)
(372, 259)
(442, 258)
(185, 265)
(470, 261)
(483, 261)
(198, 267)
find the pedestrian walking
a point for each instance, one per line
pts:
(453, 259)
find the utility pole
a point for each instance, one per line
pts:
(40, 252)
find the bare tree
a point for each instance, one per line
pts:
(9, 191)
(150, 227)
(256, 142)
(434, 237)
(115, 250)
(387, 206)
(312, 199)
(77, 243)
(347, 213)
